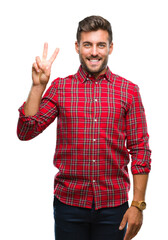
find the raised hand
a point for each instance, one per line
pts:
(41, 68)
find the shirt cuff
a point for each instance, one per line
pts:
(141, 167)
(22, 114)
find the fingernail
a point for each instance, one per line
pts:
(120, 228)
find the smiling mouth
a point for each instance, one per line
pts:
(94, 60)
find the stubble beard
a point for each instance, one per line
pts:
(92, 71)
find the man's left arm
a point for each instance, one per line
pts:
(133, 215)
(138, 144)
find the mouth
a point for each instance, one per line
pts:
(94, 61)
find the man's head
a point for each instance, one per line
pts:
(94, 23)
(94, 44)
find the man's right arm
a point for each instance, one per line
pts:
(32, 121)
(30, 126)
(41, 71)
(32, 104)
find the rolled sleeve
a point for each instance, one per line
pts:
(137, 136)
(30, 126)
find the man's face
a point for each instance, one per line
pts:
(93, 51)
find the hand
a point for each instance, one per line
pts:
(134, 217)
(41, 69)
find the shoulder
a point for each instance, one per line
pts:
(126, 88)
(58, 82)
(123, 82)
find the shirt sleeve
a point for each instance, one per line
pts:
(137, 136)
(29, 127)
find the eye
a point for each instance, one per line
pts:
(87, 45)
(102, 45)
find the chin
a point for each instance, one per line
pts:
(96, 70)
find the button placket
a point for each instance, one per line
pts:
(95, 100)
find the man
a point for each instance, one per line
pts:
(100, 123)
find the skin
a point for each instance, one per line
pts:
(133, 216)
(93, 49)
(41, 70)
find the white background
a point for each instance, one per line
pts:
(140, 55)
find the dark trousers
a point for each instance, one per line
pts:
(76, 223)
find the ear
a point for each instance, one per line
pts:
(77, 47)
(110, 48)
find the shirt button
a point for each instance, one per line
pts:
(94, 139)
(94, 181)
(94, 160)
(96, 82)
(95, 120)
(95, 100)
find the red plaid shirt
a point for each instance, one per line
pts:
(100, 123)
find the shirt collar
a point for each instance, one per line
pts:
(82, 75)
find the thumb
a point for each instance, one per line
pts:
(123, 222)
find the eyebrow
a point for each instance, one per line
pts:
(97, 43)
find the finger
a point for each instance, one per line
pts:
(53, 57)
(131, 232)
(123, 223)
(35, 67)
(45, 51)
(39, 63)
(128, 233)
(135, 230)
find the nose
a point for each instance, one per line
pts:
(94, 51)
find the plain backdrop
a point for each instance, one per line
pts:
(140, 55)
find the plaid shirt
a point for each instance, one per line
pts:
(100, 123)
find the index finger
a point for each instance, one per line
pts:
(131, 232)
(53, 57)
(127, 234)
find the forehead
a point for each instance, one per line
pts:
(95, 36)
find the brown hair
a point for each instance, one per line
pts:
(94, 23)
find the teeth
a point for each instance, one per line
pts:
(94, 60)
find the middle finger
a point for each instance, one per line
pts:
(45, 51)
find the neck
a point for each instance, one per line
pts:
(96, 74)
